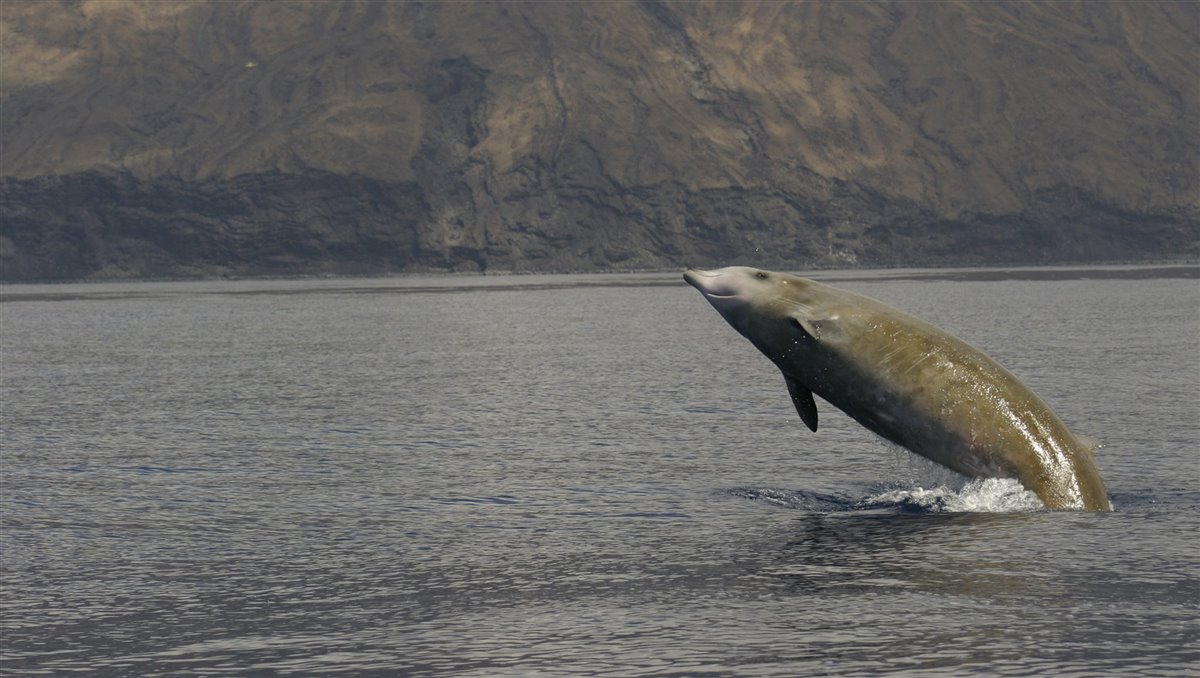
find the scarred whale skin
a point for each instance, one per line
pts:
(908, 381)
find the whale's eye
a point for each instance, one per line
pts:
(761, 275)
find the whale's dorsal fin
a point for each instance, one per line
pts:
(1090, 443)
(802, 398)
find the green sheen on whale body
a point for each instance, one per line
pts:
(906, 380)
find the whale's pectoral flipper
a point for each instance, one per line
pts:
(822, 329)
(803, 400)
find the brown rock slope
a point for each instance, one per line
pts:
(189, 138)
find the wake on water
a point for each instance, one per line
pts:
(949, 492)
(984, 495)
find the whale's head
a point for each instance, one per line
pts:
(766, 307)
(733, 289)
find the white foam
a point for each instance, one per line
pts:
(985, 495)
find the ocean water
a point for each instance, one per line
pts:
(572, 475)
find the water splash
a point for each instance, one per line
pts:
(991, 495)
(912, 469)
(984, 495)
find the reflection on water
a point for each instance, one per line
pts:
(932, 552)
(568, 476)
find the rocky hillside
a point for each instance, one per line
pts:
(248, 138)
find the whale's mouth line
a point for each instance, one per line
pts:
(695, 278)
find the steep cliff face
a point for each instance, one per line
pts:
(160, 139)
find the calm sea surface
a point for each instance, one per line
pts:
(572, 475)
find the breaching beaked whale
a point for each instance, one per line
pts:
(906, 380)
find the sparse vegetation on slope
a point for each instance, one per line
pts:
(184, 138)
